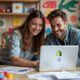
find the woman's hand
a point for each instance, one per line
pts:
(36, 63)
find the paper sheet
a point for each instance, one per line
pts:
(42, 76)
(66, 75)
(54, 75)
(16, 70)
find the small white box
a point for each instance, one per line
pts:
(17, 7)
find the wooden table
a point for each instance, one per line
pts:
(20, 77)
(23, 77)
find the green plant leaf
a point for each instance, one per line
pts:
(70, 6)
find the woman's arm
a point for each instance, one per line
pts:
(15, 50)
(17, 61)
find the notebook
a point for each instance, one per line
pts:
(53, 58)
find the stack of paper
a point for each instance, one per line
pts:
(54, 76)
(16, 70)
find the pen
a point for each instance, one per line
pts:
(23, 70)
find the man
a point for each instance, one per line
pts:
(62, 33)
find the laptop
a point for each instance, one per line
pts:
(58, 58)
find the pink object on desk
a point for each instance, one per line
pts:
(2, 76)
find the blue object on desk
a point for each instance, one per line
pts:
(23, 70)
(1, 76)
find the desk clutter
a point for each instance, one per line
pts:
(16, 70)
(6, 76)
(61, 75)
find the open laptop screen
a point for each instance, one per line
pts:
(58, 58)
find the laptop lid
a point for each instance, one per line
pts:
(54, 58)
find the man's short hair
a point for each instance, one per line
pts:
(57, 13)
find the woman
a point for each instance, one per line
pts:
(26, 40)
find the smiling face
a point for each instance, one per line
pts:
(58, 26)
(35, 26)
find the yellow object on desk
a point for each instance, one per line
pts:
(10, 76)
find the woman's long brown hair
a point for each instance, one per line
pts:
(37, 40)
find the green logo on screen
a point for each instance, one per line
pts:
(59, 53)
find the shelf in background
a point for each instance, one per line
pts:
(11, 1)
(14, 14)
